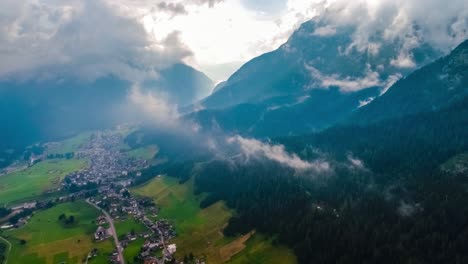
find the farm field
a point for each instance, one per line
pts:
(69, 145)
(32, 182)
(133, 250)
(47, 240)
(199, 231)
(260, 249)
(128, 225)
(146, 153)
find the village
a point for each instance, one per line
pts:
(103, 184)
(109, 173)
(119, 205)
(107, 164)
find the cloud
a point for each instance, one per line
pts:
(88, 39)
(408, 209)
(210, 3)
(365, 102)
(155, 108)
(173, 8)
(253, 148)
(325, 31)
(132, 32)
(355, 162)
(346, 84)
(352, 84)
(404, 60)
(412, 23)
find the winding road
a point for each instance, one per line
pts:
(114, 233)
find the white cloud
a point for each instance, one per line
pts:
(355, 162)
(325, 31)
(86, 38)
(412, 22)
(404, 60)
(108, 34)
(253, 148)
(365, 102)
(346, 84)
(352, 84)
(155, 108)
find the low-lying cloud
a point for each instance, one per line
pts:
(253, 148)
(155, 108)
(351, 84)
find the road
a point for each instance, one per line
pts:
(114, 233)
(9, 249)
(163, 259)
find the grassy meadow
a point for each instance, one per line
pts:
(47, 240)
(146, 153)
(259, 249)
(70, 145)
(126, 226)
(133, 250)
(32, 182)
(199, 231)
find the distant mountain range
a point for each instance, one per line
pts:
(311, 82)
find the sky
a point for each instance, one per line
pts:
(97, 36)
(136, 38)
(224, 34)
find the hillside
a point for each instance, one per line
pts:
(428, 89)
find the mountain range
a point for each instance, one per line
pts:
(314, 80)
(393, 190)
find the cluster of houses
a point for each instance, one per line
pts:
(108, 172)
(120, 205)
(106, 163)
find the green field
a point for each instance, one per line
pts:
(146, 153)
(133, 250)
(125, 227)
(70, 145)
(200, 230)
(32, 182)
(259, 249)
(49, 241)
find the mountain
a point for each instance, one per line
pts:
(428, 89)
(183, 84)
(312, 81)
(285, 115)
(47, 109)
(402, 174)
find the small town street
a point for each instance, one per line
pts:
(114, 233)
